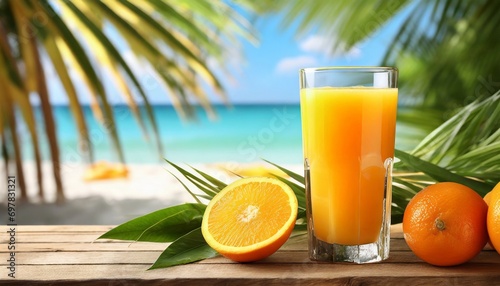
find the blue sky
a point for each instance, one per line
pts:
(268, 72)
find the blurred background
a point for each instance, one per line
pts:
(96, 94)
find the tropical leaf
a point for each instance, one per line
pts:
(292, 174)
(195, 196)
(203, 184)
(464, 149)
(215, 182)
(467, 143)
(440, 174)
(164, 225)
(186, 249)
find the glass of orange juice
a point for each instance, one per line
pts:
(348, 132)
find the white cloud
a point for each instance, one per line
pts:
(313, 48)
(316, 44)
(293, 64)
(354, 52)
(323, 45)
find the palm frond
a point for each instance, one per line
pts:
(444, 49)
(175, 39)
(464, 149)
(107, 55)
(36, 82)
(204, 183)
(50, 128)
(19, 98)
(468, 142)
(346, 23)
(108, 117)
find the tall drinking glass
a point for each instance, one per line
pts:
(348, 129)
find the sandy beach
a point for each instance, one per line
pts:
(147, 188)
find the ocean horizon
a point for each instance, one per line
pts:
(242, 133)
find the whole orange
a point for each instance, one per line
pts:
(487, 199)
(493, 219)
(445, 224)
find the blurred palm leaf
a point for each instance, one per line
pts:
(464, 149)
(446, 50)
(172, 40)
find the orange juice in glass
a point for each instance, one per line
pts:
(348, 128)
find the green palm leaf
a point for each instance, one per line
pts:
(445, 50)
(19, 97)
(50, 128)
(468, 142)
(37, 82)
(174, 38)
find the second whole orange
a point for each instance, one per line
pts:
(493, 219)
(445, 224)
(487, 200)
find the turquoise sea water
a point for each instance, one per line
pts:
(243, 133)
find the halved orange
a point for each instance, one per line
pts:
(250, 219)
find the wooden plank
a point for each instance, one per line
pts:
(61, 228)
(115, 246)
(70, 234)
(54, 237)
(84, 258)
(149, 257)
(396, 257)
(257, 281)
(264, 274)
(33, 241)
(396, 230)
(59, 234)
(67, 256)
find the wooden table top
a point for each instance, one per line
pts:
(70, 255)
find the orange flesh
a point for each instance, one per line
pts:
(253, 222)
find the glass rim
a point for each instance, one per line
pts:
(351, 68)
